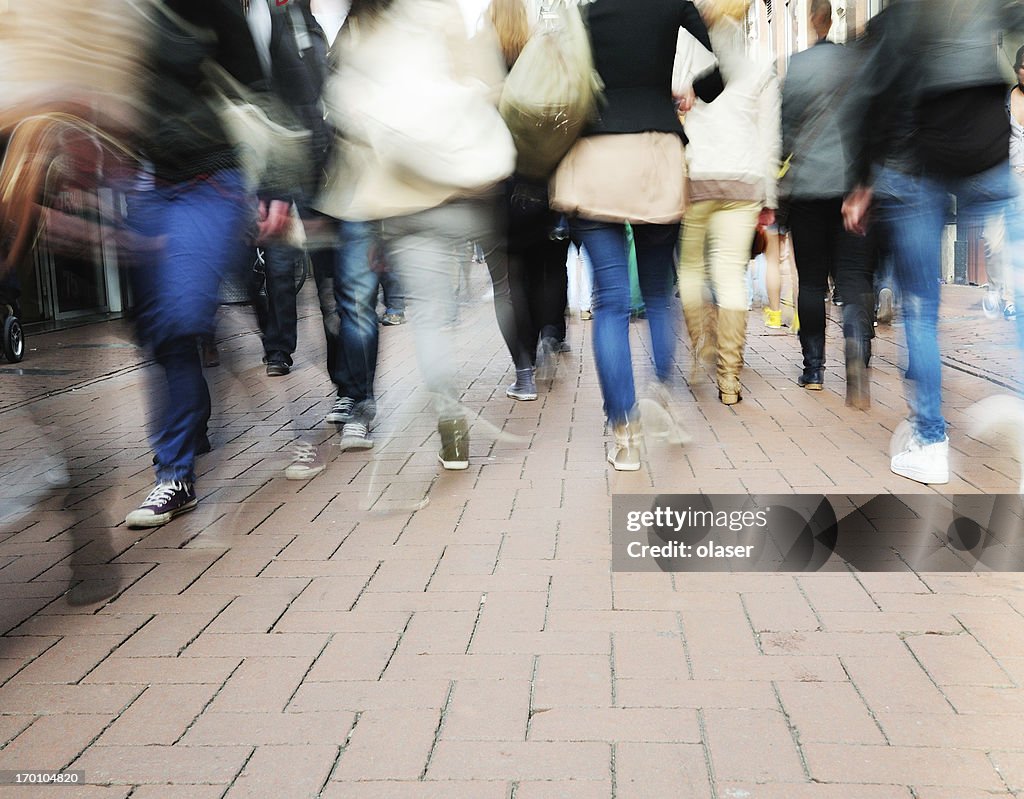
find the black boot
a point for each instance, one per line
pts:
(813, 346)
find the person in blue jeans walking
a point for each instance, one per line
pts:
(629, 167)
(192, 205)
(928, 111)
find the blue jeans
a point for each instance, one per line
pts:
(912, 209)
(198, 226)
(355, 295)
(606, 245)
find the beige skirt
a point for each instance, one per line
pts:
(627, 177)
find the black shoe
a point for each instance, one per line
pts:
(812, 379)
(164, 502)
(277, 368)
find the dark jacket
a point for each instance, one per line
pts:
(920, 56)
(634, 44)
(183, 136)
(298, 56)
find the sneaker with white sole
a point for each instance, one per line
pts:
(341, 411)
(307, 462)
(525, 387)
(925, 463)
(164, 502)
(355, 435)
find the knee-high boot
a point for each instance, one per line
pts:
(732, 338)
(700, 324)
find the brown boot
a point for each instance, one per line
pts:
(732, 338)
(700, 324)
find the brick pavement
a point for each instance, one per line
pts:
(344, 638)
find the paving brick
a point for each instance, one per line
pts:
(650, 656)
(519, 760)
(355, 656)
(902, 687)
(482, 710)
(360, 695)
(267, 729)
(802, 668)
(695, 694)
(159, 716)
(162, 670)
(752, 745)
(71, 699)
(261, 684)
(732, 790)
(459, 667)
(901, 765)
(437, 632)
(836, 592)
(389, 745)
(69, 660)
(777, 611)
(342, 621)
(973, 731)
(616, 724)
(138, 765)
(564, 789)
(661, 769)
(209, 644)
(166, 635)
(52, 742)
(958, 660)
(426, 789)
(560, 642)
(828, 713)
(572, 681)
(276, 771)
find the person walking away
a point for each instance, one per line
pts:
(733, 162)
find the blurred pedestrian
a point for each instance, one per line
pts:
(422, 155)
(629, 166)
(927, 118)
(814, 185)
(733, 162)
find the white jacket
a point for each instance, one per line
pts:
(735, 141)
(415, 101)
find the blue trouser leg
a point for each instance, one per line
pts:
(655, 248)
(912, 208)
(355, 291)
(606, 246)
(200, 224)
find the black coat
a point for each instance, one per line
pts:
(298, 57)
(183, 136)
(634, 44)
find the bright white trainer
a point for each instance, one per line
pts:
(925, 463)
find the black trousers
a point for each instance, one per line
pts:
(823, 247)
(538, 281)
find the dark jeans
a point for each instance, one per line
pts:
(823, 247)
(279, 325)
(655, 248)
(538, 279)
(199, 225)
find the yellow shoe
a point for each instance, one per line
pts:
(772, 319)
(795, 324)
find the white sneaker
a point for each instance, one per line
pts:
(307, 462)
(925, 463)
